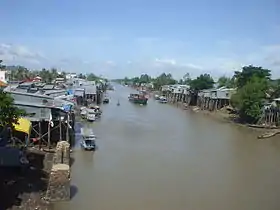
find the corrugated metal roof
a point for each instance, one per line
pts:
(48, 87)
(31, 104)
(30, 94)
(79, 93)
(55, 91)
(27, 84)
(90, 89)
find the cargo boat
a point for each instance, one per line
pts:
(138, 98)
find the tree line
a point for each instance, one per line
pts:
(254, 87)
(21, 73)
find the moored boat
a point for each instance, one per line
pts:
(162, 100)
(90, 115)
(157, 97)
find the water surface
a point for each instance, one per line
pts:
(158, 157)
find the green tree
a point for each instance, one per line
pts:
(249, 99)
(81, 76)
(204, 81)
(275, 89)
(9, 113)
(134, 81)
(164, 79)
(2, 66)
(225, 82)
(187, 79)
(249, 72)
(92, 77)
(144, 78)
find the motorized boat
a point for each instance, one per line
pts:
(157, 97)
(106, 101)
(96, 109)
(90, 116)
(88, 139)
(162, 100)
(83, 112)
(138, 98)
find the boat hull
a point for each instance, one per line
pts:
(140, 101)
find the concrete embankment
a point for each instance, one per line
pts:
(59, 182)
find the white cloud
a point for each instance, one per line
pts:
(165, 61)
(19, 54)
(217, 63)
(110, 63)
(272, 55)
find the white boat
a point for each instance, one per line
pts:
(87, 133)
(96, 109)
(88, 139)
(162, 100)
(90, 116)
(83, 112)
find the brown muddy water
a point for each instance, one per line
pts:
(158, 157)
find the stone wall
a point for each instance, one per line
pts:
(59, 183)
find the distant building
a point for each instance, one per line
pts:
(3, 76)
(71, 76)
(37, 79)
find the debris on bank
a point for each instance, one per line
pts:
(269, 134)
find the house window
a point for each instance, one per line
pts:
(227, 94)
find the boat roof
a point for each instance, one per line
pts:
(87, 132)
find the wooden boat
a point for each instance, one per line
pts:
(138, 98)
(106, 101)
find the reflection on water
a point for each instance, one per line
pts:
(158, 157)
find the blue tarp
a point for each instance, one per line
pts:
(67, 107)
(70, 92)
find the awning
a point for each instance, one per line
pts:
(3, 84)
(24, 125)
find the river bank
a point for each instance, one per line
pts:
(26, 190)
(226, 115)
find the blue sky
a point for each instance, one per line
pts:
(131, 37)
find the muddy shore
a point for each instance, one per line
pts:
(224, 115)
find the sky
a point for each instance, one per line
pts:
(118, 38)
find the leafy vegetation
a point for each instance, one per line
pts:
(204, 81)
(9, 113)
(92, 77)
(253, 85)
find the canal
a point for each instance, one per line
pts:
(159, 157)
